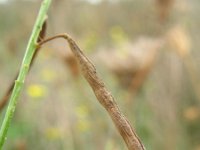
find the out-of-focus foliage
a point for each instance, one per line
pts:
(147, 52)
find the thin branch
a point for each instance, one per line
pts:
(103, 95)
(5, 98)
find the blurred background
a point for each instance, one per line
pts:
(146, 52)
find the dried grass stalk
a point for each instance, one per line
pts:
(103, 95)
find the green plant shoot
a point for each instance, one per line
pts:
(31, 47)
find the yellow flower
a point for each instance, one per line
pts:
(192, 113)
(36, 91)
(90, 41)
(53, 133)
(118, 35)
(48, 75)
(82, 111)
(83, 125)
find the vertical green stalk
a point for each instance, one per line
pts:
(31, 47)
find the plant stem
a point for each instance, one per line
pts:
(6, 97)
(102, 94)
(30, 50)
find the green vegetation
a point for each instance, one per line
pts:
(31, 47)
(146, 53)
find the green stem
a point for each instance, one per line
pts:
(30, 50)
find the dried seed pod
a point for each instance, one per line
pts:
(103, 95)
